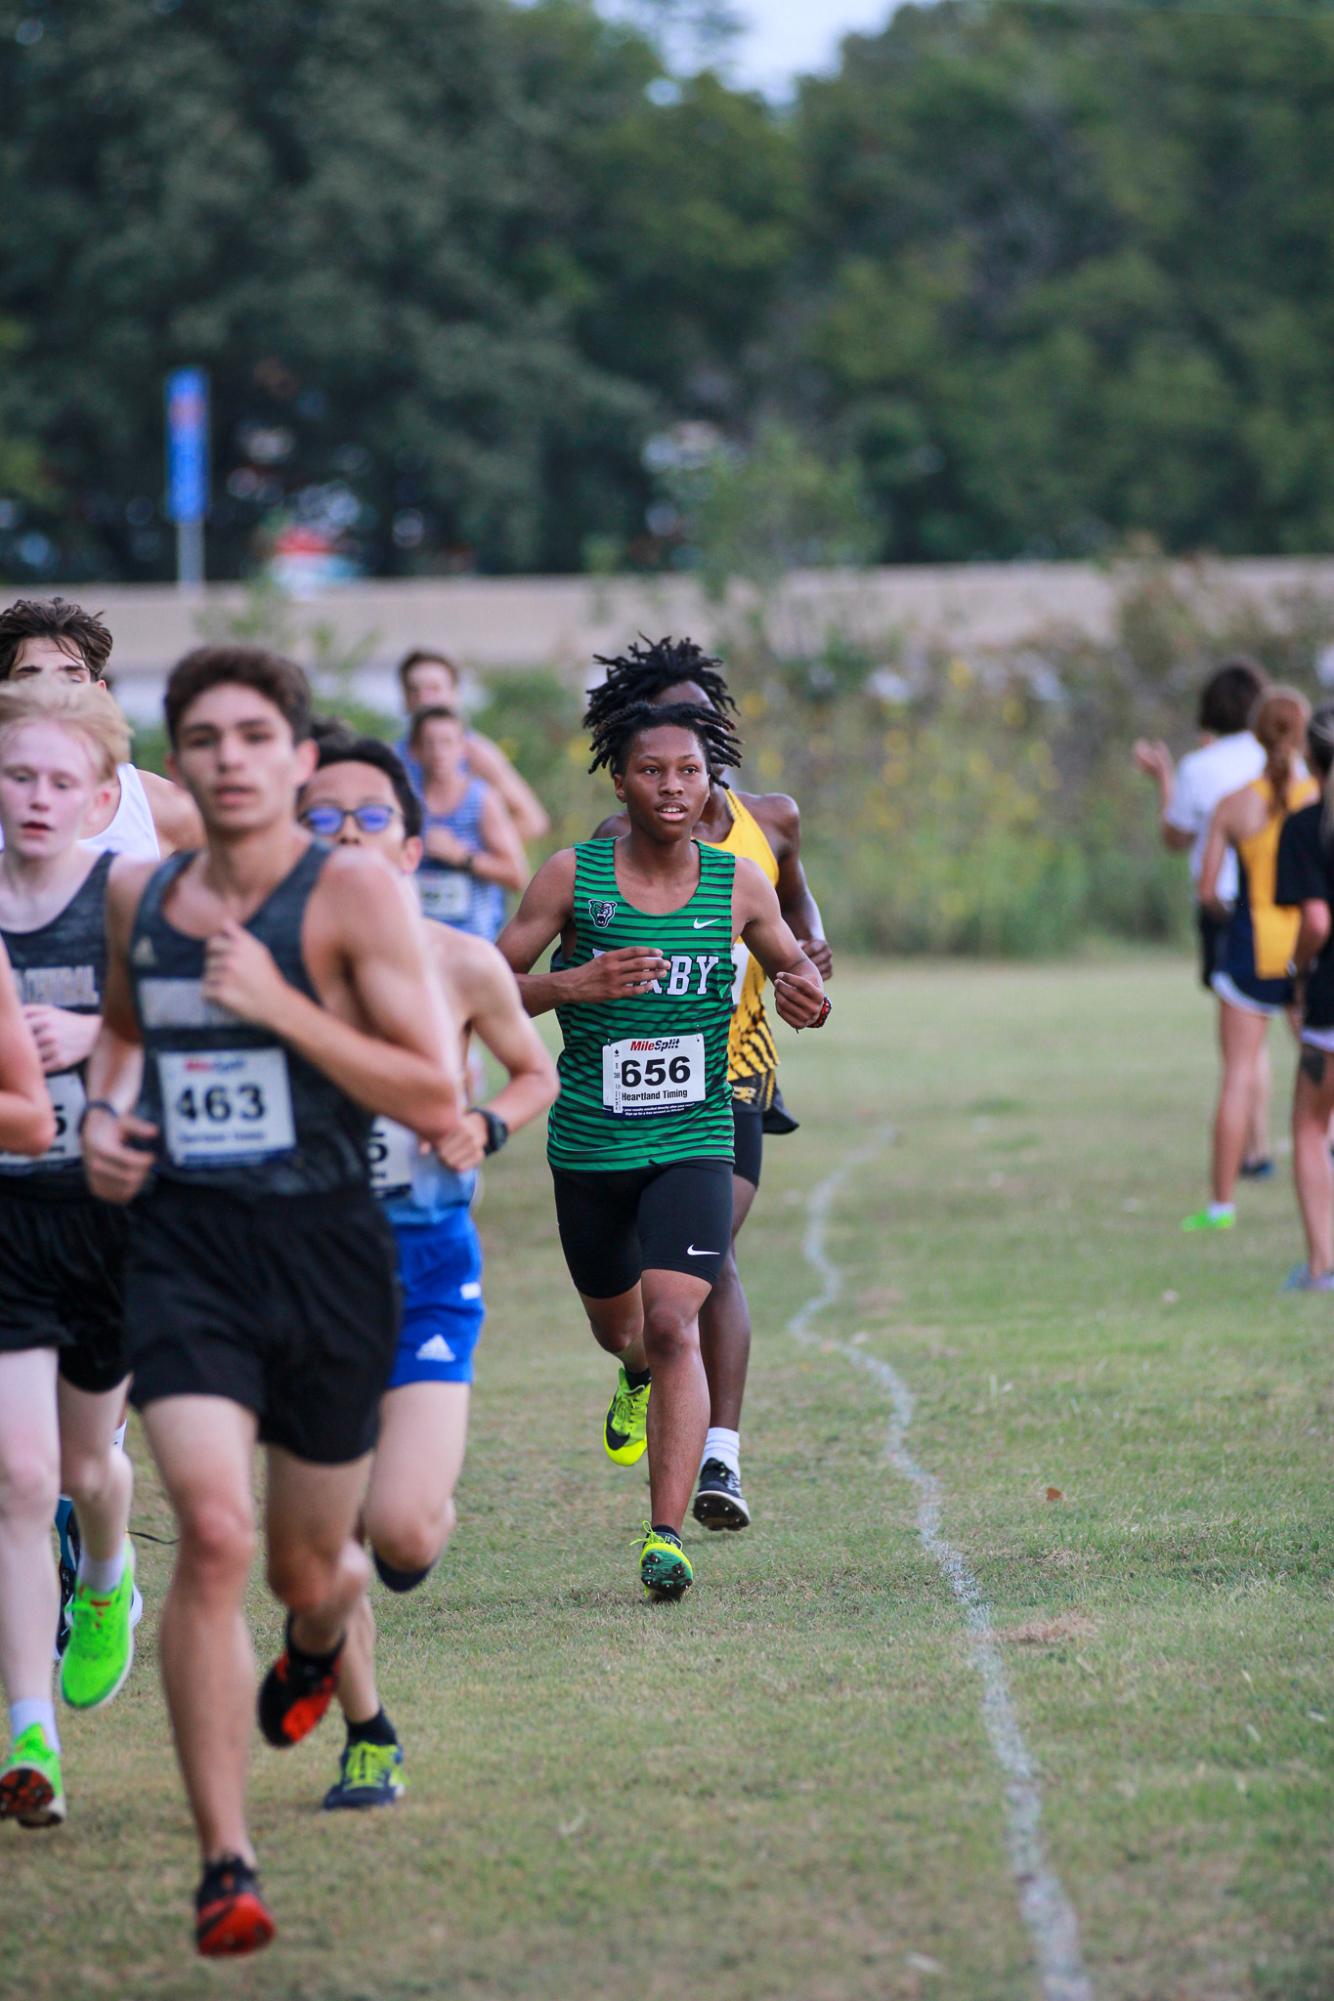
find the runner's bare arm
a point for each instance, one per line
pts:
(496, 1014)
(116, 1168)
(27, 1122)
(611, 828)
(175, 815)
(758, 921)
(1215, 848)
(780, 817)
(487, 760)
(546, 910)
(502, 858)
(404, 1063)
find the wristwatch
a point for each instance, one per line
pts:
(497, 1132)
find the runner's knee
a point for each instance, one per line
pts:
(84, 1475)
(29, 1481)
(669, 1332)
(217, 1542)
(305, 1579)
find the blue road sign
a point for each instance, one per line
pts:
(187, 444)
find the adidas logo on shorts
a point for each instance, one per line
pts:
(437, 1349)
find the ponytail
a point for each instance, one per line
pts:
(1280, 719)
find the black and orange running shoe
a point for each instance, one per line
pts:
(295, 1693)
(230, 1915)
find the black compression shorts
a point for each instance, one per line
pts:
(748, 1138)
(289, 1308)
(615, 1226)
(61, 1278)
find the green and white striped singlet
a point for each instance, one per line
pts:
(644, 1079)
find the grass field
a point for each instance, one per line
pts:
(783, 1787)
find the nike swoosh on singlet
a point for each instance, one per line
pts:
(703, 923)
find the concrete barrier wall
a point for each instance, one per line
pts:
(494, 623)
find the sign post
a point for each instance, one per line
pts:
(187, 470)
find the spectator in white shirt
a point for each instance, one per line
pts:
(1229, 756)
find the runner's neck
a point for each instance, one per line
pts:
(242, 871)
(38, 887)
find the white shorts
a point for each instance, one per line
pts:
(1227, 990)
(1318, 1038)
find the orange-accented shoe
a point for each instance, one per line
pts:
(231, 1916)
(295, 1693)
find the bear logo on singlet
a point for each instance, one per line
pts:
(601, 913)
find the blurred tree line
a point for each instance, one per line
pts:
(483, 284)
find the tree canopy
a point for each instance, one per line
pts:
(1033, 277)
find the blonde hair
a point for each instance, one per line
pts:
(1279, 720)
(83, 711)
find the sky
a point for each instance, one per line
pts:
(786, 37)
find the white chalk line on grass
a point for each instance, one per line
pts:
(1043, 1904)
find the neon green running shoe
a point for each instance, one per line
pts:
(1204, 1220)
(32, 1791)
(664, 1566)
(625, 1428)
(101, 1642)
(368, 1775)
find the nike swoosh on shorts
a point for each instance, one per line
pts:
(691, 1252)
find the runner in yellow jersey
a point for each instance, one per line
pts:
(766, 829)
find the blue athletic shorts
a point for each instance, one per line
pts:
(440, 1271)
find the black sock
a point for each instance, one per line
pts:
(637, 1377)
(665, 1528)
(399, 1580)
(302, 1654)
(376, 1729)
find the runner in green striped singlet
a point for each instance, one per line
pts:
(640, 1140)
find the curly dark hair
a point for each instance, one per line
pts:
(616, 731)
(642, 672)
(77, 632)
(278, 680)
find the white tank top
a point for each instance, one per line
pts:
(130, 830)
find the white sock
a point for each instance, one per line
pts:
(22, 1716)
(1217, 1210)
(724, 1445)
(101, 1577)
(119, 1438)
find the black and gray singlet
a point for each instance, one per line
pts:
(237, 1110)
(62, 964)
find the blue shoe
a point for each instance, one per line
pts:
(1300, 1279)
(1257, 1170)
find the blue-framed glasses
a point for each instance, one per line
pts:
(327, 821)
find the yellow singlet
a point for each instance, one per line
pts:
(752, 1056)
(1273, 928)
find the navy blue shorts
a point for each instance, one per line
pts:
(440, 1272)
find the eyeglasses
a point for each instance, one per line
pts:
(327, 821)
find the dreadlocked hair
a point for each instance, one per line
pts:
(615, 731)
(642, 672)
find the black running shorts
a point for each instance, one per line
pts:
(748, 1138)
(288, 1307)
(61, 1276)
(616, 1225)
(1213, 942)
